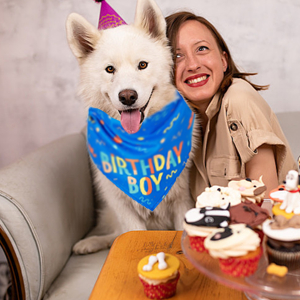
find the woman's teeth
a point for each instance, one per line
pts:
(196, 80)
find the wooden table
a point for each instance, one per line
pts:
(118, 278)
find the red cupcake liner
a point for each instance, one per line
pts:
(163, 290)
(240, 266)
(260, 234)
(197, 243)
(259, 203)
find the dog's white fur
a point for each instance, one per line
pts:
(123, 48)
(291, 203)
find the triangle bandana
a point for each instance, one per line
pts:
(146, 164)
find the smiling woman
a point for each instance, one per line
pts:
(198, 86)
(241, 136)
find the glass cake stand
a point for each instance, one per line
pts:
(259, 286)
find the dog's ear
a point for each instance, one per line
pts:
(82, 36)
(259, 190)
(149, 17)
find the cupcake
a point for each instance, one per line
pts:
(283, 241)
(218, 196)
(159, 275)
(200, 222)
(252, 190)
(237, 247)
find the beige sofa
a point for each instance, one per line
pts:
(46, 205)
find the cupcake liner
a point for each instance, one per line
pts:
(289, 259)
(241, 266)
(162, 290)
(197, 243)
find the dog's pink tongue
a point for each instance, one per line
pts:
(130, 120)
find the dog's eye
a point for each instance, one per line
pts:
(142, 65)
(110, 69)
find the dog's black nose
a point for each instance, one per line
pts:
(128, 97)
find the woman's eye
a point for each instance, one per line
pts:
(142, 65)
(110, 69)
(202, 48)
(178, 57)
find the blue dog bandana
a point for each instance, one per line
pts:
(145, 164)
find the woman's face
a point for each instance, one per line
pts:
(199, 66)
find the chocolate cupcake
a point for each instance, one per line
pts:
(283, 241)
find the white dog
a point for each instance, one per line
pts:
(291, 202)
(134, 58)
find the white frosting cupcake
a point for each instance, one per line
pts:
(283, 241)
(218, 196)
(232, 241)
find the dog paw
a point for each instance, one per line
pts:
(282, 206)
(288, 210)
(90, 245)
(297, 210)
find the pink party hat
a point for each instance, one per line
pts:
(108, 17)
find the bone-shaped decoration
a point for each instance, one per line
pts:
(161, 261)
(151, 261)
(160, 257)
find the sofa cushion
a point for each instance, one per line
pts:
(78, 278)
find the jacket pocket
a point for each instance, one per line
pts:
(224, 167)
(241, 140)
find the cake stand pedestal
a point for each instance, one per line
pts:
(259, 286)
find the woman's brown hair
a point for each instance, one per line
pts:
(174, 22)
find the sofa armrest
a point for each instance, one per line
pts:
(46, 205)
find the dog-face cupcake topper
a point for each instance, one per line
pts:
(234, 232)
(208, 216)
(222, 235)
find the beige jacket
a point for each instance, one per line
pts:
(237, 125)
